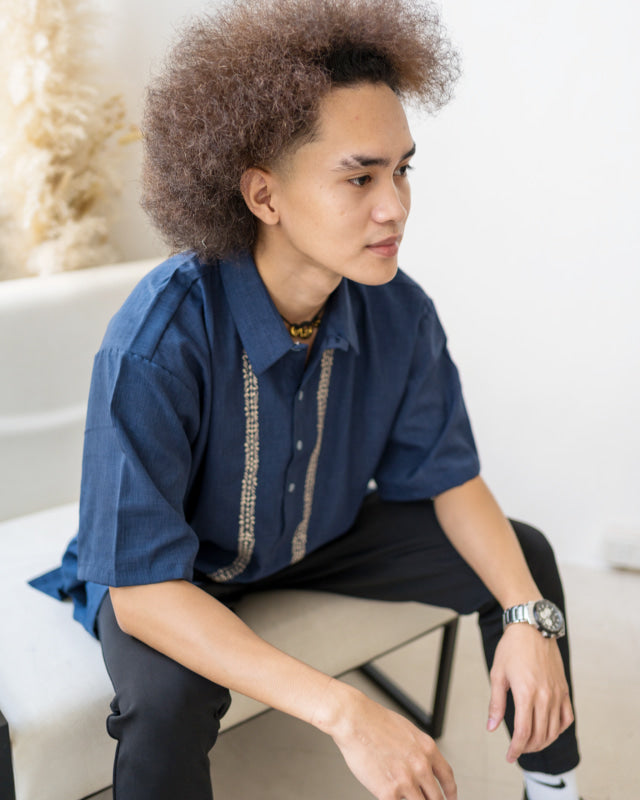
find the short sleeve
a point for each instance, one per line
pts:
(137, 464)
(431, 446)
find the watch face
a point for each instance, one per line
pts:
(548, 616)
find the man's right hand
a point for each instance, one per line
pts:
(389, 756)
(392, 758)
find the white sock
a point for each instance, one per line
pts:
(540, 786)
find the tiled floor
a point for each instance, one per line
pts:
(278, 758)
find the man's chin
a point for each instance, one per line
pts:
(381, 274)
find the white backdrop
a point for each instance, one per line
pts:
(525, 232)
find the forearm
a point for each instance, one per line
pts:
(191, 627)
(525, 662)
(477, 528)
(382, 749)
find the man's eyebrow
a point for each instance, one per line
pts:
(359, 161)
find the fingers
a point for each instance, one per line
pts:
(497, 701)
(426, 776)
(566, 713)
(539, 721)
(443, 772)
(434, 777)
(561, 718)
(390, 756)
(522, 725)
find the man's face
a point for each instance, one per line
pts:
(343, 199)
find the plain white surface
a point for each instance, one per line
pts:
(50, 330)
(54, 689)
(526, 202)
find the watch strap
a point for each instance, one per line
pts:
(519, 613)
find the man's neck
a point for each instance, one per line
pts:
(299, 292)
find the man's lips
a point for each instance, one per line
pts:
(386, 247)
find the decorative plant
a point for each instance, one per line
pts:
(58, 172)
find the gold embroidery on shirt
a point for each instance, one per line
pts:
(299, 544)
(247, 516)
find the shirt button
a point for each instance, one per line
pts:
(301, 395)
(299, 444)
(292, 488)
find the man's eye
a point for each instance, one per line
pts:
(403, 171)
(361, 180)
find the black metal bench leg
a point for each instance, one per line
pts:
(431, 722)
(7, 786)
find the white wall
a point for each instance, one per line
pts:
(525, 231)
(135, 35)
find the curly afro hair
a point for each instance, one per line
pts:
(242, 88)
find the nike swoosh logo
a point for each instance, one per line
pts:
(560, 785)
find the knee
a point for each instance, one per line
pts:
(183, 694)
(534, 543)
(172, 703)
(540, 558)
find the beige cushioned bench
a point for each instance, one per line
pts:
(54, 690)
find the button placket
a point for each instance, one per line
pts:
(294, 481)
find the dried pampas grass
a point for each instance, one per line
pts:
(58, 171)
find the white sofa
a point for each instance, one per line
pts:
(54, 690)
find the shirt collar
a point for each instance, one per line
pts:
(259, 324)
(339, 322)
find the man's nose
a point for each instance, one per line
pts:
(392, 204)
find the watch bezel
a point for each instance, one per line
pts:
(530, 613)
(551, 627)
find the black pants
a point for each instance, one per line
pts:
(166, 718)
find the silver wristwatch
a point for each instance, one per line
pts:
(542, 614)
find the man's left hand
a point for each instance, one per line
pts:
(531, 666)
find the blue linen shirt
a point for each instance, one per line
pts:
(212, 445)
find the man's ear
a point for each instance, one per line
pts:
(256, 186)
